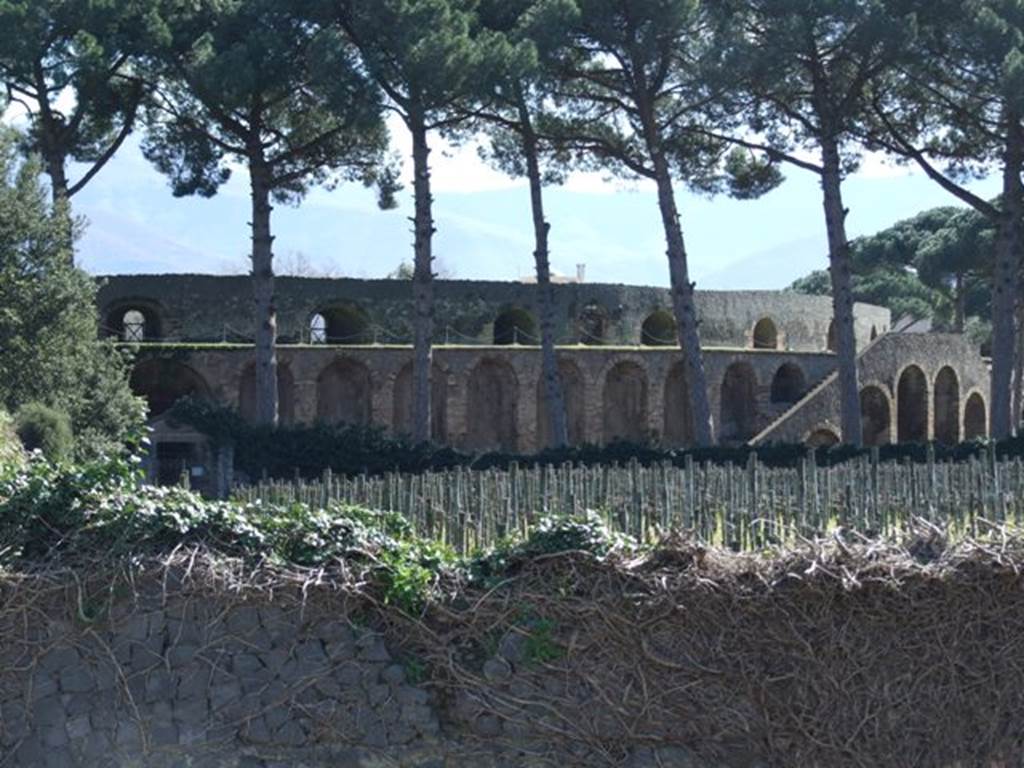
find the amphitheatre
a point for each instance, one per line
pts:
(345, 357)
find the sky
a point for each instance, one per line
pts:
(135, 225)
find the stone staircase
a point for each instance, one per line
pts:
(813, 396)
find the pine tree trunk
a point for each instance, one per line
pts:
(422, 280)
(683, 304)
(553, 392)
(842, 293)
(263, 292)
(1018, 371)
(960, 305)
(1005, 280)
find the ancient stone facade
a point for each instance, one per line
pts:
(344, 358)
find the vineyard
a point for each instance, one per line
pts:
(744, 508)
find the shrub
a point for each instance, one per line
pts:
(45, 429)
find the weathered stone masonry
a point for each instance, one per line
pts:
(344, 358)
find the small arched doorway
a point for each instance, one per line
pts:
(912, 406)
(766, 335)
(345, 394)
(975, 418)
(659, 330)
(947, 407)
(162, 383)
(492, 407)
(738, 403)
(875, 417)
(789, 384)
(678, 428)
(285, 395)
(515, 326)
(832, 340)
(823, 437)
(625, 404)
(133, 324)
(572, 394)
(344, 325)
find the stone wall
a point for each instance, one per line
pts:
(492, 395)
(893, 359)
(211, 308)
(165, 677)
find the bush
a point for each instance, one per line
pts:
(45, 429)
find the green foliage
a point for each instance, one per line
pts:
(550, 536)
(48, 319)
(924, 267)
(260, 83)
(45, 429)
(50, 49)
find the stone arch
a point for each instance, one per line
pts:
(659, 330)
(573, 391)
(402, 416)
(678, 428)
(285, 394)
(164, 382)
(625, 403)
(133, 322)
(822, 437)
(912, 406)
(345, 325)
(975, 418)
(344, 393)
(766, 334)
(832, 340)
(875, 416)
(515, 326)
(947, 406)
(789, 384)
(493, 399)
(593, 324)
(738, 408)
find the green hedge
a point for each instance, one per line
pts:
(309, 450)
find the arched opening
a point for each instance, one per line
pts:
(404, 404)
(766, 335)
(975, 418)
(822, 438)
(874, 333)
(344, 394)
(738, 403)
(912, 406)
(493, 403)
(573, 394)
(659, 330)
(832, 342)
(317, 329)
(285, 395)
(164, 382)
(344, 325)
(133, 324)
(947, 407)
(515, 326)
(678, 428)
(625, 404)
(789, 384)
(875, 417)
(593, 325)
